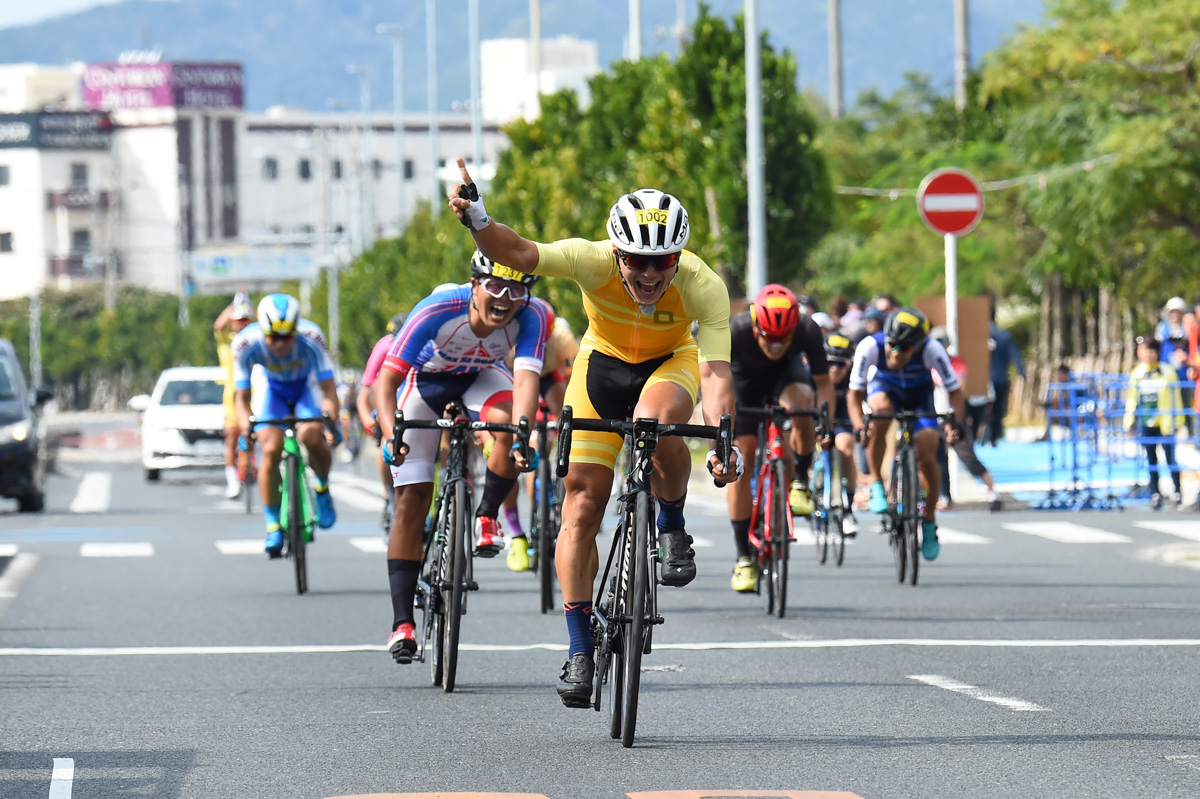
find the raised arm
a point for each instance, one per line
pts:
(499, 242)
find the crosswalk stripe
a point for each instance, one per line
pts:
(1068, 533)
(8, 550)
(94, 493)
(356, 498)
(117, 549)
(958, 537)
(1188, 530)
(241, 546)
(373, 546)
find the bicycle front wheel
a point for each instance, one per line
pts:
(820, 514)
(912, 513)
(295, 524)
(837, 511)
(635, 627)
(894, 519)
(545, 535)
(781, 534)
(457, 551)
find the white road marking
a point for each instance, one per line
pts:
(94, 493)
(61, 778)
(8, 550)
(374, 545)
(836, 643)
(972, 691)
(959, 538)
(374, 487)
(701, 543)
(1189, 761)
(14, 575)
(241, 546)
(1188, 530)
(1068, 533)
(356, 498)
(117, 549)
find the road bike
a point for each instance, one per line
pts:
(832, 499)
(545, 516)
(297, 499)
(248, 473)
(771, 525)
(626, 607)
(447, 568)
(906, 502)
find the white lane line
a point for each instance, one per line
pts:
(1068, 533)
(356, 498)
(373, 546)
(117, 549)
(94, 493)
(8, 550)
(61, 778)
(701, 543)
(972, 691)
(1188, 530)
(1188, 761)
(959, 538)
(241, 546)
(14, 575)
(300, 649)
(373, 487)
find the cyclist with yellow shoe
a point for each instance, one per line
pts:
(641, 291)
(771, 342)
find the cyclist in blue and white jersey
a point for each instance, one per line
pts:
(452, 346)
(291, 355)
(893, 372)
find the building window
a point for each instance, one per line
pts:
(410, 169)
(270, 169)
(307, 230)
(305, 169)
(79, 175)
(6, 242)
(376, 168)
(335, 169)
(5, 176)
(441, 163)
(338, 229)
(81, 240)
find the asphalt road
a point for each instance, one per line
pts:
(1032, 660)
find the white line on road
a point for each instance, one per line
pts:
(117, 549)
(959, 538)
(372, 545)
(1069, 533)
(836, 643)
(1188, 530)
(241, 546)
(957, 687)
(8, 550)
(94, 493)
(357, 498)
(14, 575)
(61, 778)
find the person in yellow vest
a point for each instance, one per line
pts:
(1153, 411)
(232, 321)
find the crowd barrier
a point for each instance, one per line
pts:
(1095, 462)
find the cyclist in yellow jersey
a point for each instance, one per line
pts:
(641, 291)
(232, 321)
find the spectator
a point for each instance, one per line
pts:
(1059, 401)
(872, 323)
(1172, 339)
(1152, 410)
(838, 308)
(808, 305)
(886, 303)
(1005, 358)
(1193, 331)
(825, 322)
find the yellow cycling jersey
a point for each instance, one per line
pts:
(616, 324)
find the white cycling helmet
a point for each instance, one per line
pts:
(648, 222)
(278, 314)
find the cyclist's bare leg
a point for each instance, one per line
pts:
(499, 461)
(588, 486)
(879, 403)
(926, 443)
(385, 471)
(231, 436)
(412, 506)
(312, 436)
(270, 441)
(738, 493)
(669, 403)
(803, 439)
(844, 443)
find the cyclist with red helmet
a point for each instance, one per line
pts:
(778, 358)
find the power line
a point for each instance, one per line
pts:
(1040, 178)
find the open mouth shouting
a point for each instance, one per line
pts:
(498, 311)
(647, 289)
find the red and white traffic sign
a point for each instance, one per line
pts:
(950, 201)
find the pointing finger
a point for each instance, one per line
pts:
(466, 176)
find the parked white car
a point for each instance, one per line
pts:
(183, 421)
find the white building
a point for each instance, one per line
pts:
(32, 87)
(509, 89)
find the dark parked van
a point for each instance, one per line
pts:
(23, 455)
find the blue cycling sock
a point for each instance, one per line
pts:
(321, 485)
(271, 514)
(579, 627)
(670, 514)
(402, 577)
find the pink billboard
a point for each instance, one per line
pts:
(108, 87)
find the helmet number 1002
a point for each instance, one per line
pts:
(645, 216)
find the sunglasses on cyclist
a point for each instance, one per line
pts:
(640, 263)
(835, 362)
(775, 339)
(496, 287)
(279, 338)
(896, 346)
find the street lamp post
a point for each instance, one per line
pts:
(365, 151)
(396, 32)
(435, 199)
(756, 261)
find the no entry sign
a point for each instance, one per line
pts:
(950, 202)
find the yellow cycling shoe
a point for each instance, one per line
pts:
(518, 555)
(800, 498)
(745, 576)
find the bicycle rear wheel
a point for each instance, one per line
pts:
(819, 520)
(545, 535)
(248, 481)
(766, 559)
(295, 524)
(838, 510)
(781, 534)
(912, 513)
(635, 638)
(457, 552)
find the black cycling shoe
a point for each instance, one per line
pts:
(679, 565)
(575, 686)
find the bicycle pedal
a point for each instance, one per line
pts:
(472, 586)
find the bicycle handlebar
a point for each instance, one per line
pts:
(520, 429)
(820, 415)
(290, 421)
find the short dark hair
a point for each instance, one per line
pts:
(1062, 367)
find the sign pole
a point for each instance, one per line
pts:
(952, 291)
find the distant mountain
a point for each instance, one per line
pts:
(296, 52)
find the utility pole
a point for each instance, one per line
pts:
(396, 32)
(835, 59)
(366, 154)
(184, 201)
(535, 57)
(680, 27)
(962, 54)
(635, 30)
(756, 256)
(476, 111)
(35, 337)
(435, 198)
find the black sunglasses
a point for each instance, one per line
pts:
(640, 263)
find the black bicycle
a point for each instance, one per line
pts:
(626, 607)
(832, 499)
(447, 571)
(545, 516)
(906, 503)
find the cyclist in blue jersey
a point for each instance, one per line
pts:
(452, 346)
(292, 354)
(893, 371)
